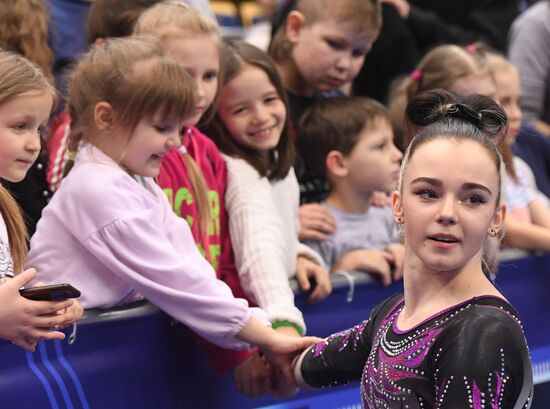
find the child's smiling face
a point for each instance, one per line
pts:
(252, 110)
(150, 141)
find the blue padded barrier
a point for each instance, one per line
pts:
(137, 357)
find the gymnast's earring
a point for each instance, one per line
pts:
(399, 220)
(492, 233)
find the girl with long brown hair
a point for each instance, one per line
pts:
(26, 101)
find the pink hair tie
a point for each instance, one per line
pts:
(416, 75)
(471, 48)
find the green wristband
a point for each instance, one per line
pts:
(285, 323)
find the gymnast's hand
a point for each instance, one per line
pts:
(280, 354)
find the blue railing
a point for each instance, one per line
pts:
(137, 357)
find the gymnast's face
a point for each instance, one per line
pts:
(448, 203)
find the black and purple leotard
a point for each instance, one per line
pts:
(472, 355)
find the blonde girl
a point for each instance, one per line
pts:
(194, 177)
(463, 70)
(116, 237)
(193, 40)
(26, 101)
(528, 224)
(250, 128)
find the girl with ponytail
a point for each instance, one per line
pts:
(116, 236)
(463, 70)
(194, 177)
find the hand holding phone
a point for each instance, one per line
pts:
(55, 292)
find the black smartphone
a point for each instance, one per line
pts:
(55, 292)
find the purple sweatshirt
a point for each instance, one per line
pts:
(116, 239)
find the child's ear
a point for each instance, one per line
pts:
(295, 21)
(397, 207)
(335, 164)
(103, 115)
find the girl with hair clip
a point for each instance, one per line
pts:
(117, 238)
(463, 70)
(194, 177)
(250, 128)
(105, 19)
(467, 70)
(26, 101)
(452, 340)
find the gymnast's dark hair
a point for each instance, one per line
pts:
(439, 114)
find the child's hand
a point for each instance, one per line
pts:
(374, 261)
(316, 222)
(252, 376)
(71, 314)
(282, 384)
(281, 353)
(290, 331)
(379, 199)
(306, 270)
(398, 252)
(25, 322)
(542, 127)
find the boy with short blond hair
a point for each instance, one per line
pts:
(350, 143)
(322, 45)
(318, 50)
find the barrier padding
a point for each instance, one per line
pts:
(137, 357)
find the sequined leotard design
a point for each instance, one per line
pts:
(473, 355)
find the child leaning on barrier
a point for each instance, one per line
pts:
(350, 143)
(194, 177)
(105, 19)
(116, 236)
(262, 198)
